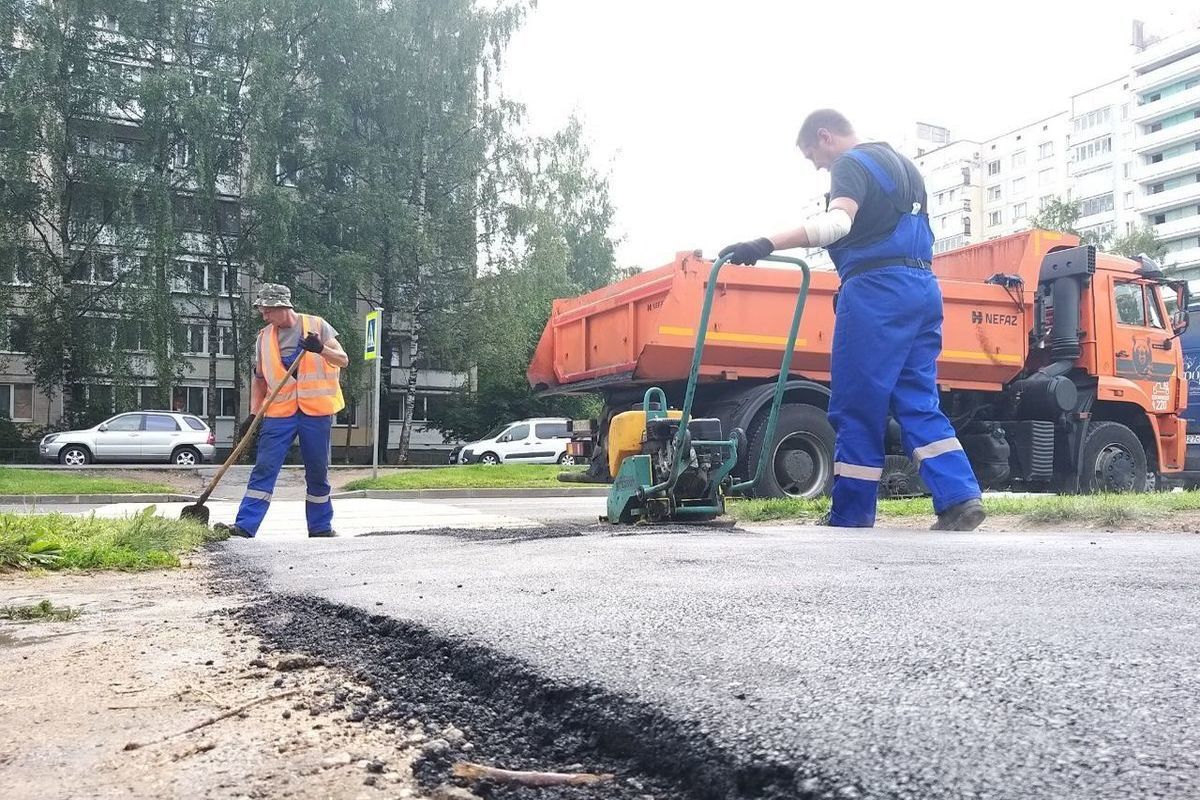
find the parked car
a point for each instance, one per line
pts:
(166, 436)
(540, 440)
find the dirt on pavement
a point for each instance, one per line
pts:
(99, 706)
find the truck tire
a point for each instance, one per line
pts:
(801, 460)
(1114, 460)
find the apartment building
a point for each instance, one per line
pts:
(1165, 154)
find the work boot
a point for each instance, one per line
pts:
(233, 530)
(322, 534)
(964, 516)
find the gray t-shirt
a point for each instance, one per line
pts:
(289, 339)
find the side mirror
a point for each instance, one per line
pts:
(103, 427)
(1183, 298)
(1179, 322)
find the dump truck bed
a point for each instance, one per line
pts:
(642, 330)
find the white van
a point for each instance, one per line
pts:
(540, 440)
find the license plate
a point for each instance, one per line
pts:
(1193, 438)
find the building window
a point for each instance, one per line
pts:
(1128, 168)
(1093, 119)
(1045, 150)
(1018, 159)
(1096, 205)
(16, 334)
(189, 338)
(226, 402)
(993, 168)
(1019, 211)
(189, 399)
(993, 193)
(995, 217)
(16, 401)
(287, 169)
(348, 416)
(1046, 177)
(1093, 149)
(1129, 199)
(15, 268)
(1018, 187)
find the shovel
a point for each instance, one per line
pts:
(198, 511)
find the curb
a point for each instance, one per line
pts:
(80, 499)
(466, 494)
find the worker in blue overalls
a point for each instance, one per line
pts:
(304, 408)
(888, 329)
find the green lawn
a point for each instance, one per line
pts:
(41, 481)
(61, 541)
(473, 476)
(1044, 509)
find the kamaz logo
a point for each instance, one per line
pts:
(980, 318)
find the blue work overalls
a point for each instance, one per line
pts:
(886, 341)
(275, 437)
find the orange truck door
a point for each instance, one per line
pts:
(1140, 349)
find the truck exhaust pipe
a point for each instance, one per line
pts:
(1048, 392)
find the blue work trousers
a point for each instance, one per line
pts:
(886, 342)
(276, 435)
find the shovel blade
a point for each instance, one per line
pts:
(195, 512)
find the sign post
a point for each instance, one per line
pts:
(371, 353)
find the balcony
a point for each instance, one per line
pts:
(1160, 54)
(1183, 259)
(1172, 198)
(1170, 168)
(1165, 76)
(1166, 107)
(1177, 229)
(1167, 137)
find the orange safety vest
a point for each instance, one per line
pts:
(314, 389)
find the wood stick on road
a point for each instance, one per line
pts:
(478, 772)
(211, 720)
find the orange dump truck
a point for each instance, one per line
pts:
(1060, 369)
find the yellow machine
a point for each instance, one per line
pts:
(626, 434)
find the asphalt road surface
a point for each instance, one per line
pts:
(853, 664)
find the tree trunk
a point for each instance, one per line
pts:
(410, 390)
(386, 344)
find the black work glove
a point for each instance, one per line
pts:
(312, 343)
(748, 252)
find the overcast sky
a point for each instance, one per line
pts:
(694, 108)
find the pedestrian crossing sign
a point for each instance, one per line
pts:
(371, 337)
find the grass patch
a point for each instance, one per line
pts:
(472, 476)
(59, 541)
(42, 481)
(45, 611)
(1097, 509)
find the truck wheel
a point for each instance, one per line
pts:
(800, 463)
(1113, 460)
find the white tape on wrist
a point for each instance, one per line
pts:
(827, 228)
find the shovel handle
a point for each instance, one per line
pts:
(245, 441)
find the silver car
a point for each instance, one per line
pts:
(166, 436)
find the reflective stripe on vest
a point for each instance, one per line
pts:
(314, 389)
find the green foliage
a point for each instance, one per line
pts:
(40, 481)
(42, 611)
(1063, 215)
(1100, 509)
(60, 541)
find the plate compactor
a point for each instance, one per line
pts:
(680, 470)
